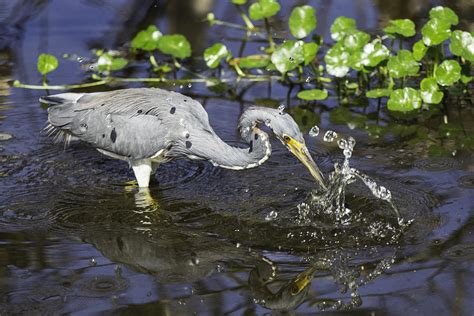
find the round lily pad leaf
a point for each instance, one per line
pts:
(147, 39)
(419, 50)
(337, 61)
(430, 92)
(107, 62)
(288, 56)
(341, 27)
(313, 94)
(214, 54)
(378, 93)
(403, 27)
(404, 100)
(462, 44)
(46, 63)
(302, 21)
(175, 45)
(448, 73)
(374, 53)
(263, 9)
(240, 2)
(444, 13)
(403, 64)
(355, 41)
(436, 31)
(251, 61)
(310, 50)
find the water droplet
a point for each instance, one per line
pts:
(237, 245)
(330, 136)
(291, 59)
(342, 143)
(80, 59)
(92, 262)
(351, 142)
(308, 79)
(190, 85)
(271, 216)
(181, 86)
(281, 108)
(314, 131)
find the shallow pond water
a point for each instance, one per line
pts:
(74, 237)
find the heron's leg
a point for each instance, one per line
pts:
(142, 170)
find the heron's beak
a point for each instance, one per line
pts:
(302, 280)
(301, 152)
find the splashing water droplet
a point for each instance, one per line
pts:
(314, 131)
(281, 108)
(291, 59)
(80, 59)
(271, 216)
(190, 85)
(181, 86)
(342, 143)
(330, 136)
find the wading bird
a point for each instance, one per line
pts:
(149, 126)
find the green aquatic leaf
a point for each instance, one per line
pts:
(240, 2)
(466, 79)
(175, 45)
(214, 54)
(448, 72)
(430, 92)
(419, 50)
(403, 27)
(302, 21)
(436, 31)
(378, 93)
(462, 44)
(341, 27)
(374, 53)
(251, 61)
(107, 62)
(337, 61)
(46, 63)
(288, 56)
(310, 50)
(355, 41)
(147, 39)
(403, 64)
(445, 14)
(263, 9)
(404, 100)
(313, 94)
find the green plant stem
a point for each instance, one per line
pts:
(60, 87)
(153, 61)
(246, 19)
(232, 25)
(269, 34)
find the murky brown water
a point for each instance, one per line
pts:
(73, 240)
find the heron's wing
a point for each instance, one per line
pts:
(134, 123)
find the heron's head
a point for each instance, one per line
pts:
(287, 131)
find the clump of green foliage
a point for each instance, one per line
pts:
(407, 70)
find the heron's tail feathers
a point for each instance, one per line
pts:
(61, 98)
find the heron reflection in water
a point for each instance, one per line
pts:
(150, 126)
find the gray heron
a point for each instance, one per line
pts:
(149, 126)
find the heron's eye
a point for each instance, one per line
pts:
(286, 138)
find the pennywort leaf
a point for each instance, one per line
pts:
(302, 21)
(263, 9)
(288, 56)
(419, 50)
(436, 31)
(341, 27)
(337, 61)
(404, 100)
(251, 61)
(462, 44)
(430, 92)
(403, 27)
(46, 63)
(313, 94)
(309, 51)
(214, 54)
(403, 64)
(175, 45)
(377, 93)
(445, 14)
(147, 40)
(448, 72)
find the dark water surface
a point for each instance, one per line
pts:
(73, 240)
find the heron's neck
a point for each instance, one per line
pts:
(221, 154)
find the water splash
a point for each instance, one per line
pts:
(314, 131)
(332, 202)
